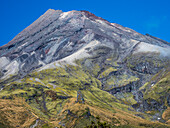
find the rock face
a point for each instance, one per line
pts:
(80, 98)
(57, 35)
(122, 62)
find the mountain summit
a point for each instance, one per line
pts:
(75, 66)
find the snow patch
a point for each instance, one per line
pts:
(88, 37)
(40, 62)
(101, 22)
(41, 56)
(74, 22)
(36, 124)
(38, 80)
(53, 38)
(152, 85)
(54, 86)
(122, 28)
(52, 50)
(82, 53)
(3, 62)
(64, 15)
(101, 29)
(145, 47)
(12, 69)
(32, 53)
(20, 47)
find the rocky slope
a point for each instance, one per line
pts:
(115, 69)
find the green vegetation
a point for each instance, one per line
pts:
(159, 90)
(127, 98)
(121, 80)
(107, 72)
(51, 95)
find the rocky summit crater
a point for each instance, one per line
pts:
(74, 69)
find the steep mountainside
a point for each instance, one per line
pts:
(74, 69)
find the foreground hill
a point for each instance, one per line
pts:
(74, 69)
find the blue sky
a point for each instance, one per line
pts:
(144, 16)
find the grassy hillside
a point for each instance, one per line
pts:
(51, 96)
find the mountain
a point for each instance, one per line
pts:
(74, 69)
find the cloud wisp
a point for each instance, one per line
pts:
(154, 23)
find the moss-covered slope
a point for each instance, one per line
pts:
(51, 95)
